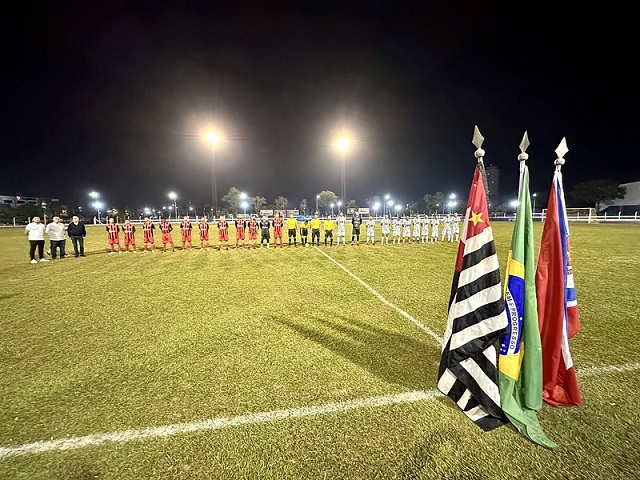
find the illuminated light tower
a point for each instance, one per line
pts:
(343, 145)
(96, 204)
(173, 196)
(339, 205)
(376, 206)
(387, 198)
(331, 205)
(317, 199)
(214, 139)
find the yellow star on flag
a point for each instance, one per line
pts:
(476, 218)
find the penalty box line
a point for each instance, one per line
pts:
(371, 290)
(218, 423)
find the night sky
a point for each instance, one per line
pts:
(115, 97)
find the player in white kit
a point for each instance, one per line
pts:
(446, 228)
(341, 220)
(386, 227)
(406, 229)
(425, 228)
(435, 227)
(395, 223)
(371, 225)
(417, 226)
(455, 227)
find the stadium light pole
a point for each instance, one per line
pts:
(339, 205)
(244, 205)
(389, 205)
(376, 206)
(534, 195)
(317, 199)
(331, 205)
(398, 207)
(214, 139)
(343, 145)
(387, 198)
(174, 197)
(95, 195)
(452, 197)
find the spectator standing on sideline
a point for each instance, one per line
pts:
(328, 230)
(148, 232)
(77, 231)
(264, 231)
(166, 228)
(223, 232)
(35, 232)
(113, 236)
(203, 226)
(129, 232)
(55, 230)
(185, 229)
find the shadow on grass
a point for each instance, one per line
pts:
(400, 359)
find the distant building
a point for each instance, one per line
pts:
(628, 205)
(492, 182)
(15, 200)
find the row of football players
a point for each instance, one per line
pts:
(401, 230)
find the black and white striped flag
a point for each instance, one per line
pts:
(468, 371)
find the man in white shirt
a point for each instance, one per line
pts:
(56, 230)
(35, 232)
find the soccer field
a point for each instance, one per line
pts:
(290, 363)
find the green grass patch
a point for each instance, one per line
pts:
(110, 343)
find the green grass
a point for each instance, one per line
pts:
(111, 343)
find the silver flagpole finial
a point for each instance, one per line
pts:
(477, 141)
(524, 156)
(561, 151)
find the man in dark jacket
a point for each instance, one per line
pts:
(77, 232)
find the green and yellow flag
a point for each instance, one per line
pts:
(520, 360)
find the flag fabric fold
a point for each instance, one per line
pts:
(558, 316)
(520, 361)
(476, 319)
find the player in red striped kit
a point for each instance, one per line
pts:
(185, 229)
(278, 222)
(204, 233)
(223, 232)
(253, 230)
(113, 236)
(166, 228)
(148, 232)
(240, 229)
(129, 231)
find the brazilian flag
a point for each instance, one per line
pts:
(520, 360)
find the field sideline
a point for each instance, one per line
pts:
(289, 363)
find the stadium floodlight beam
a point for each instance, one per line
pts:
(214, 139)
(95, 195)
(173, 196)
(343, 145)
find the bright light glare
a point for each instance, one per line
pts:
(97, 205)
(343, 143)
(376, 206)
(172, 195)
(213, 138)
(94, 194)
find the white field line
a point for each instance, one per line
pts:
(255, 418)
(384, 300)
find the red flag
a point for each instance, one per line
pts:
(558, 317)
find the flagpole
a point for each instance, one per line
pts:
(561, 151)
